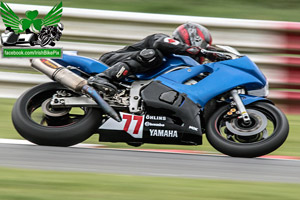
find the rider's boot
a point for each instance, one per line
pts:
(102, 81)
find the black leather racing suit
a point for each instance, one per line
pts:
(144, 56)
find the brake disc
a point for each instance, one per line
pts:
(258, 124)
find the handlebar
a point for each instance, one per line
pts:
(215, 55)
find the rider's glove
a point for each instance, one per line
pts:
(221, 57)
(194, 51)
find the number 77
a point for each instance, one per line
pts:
(128, 119)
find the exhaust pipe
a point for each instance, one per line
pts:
(104, 105)
(71, 80)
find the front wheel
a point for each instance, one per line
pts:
(35, 119)
(266, 132)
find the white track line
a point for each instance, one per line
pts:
(25, 142)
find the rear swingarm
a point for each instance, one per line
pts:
(82, 101)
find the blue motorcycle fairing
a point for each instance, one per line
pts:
(224, 76)
(248, 99)
(87, 65)
(247, 65)
(93, 66)
(169, 63)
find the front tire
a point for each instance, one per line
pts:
(238, 142)
(56, 127)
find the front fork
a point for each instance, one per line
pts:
(240, 106)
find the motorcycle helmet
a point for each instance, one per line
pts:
(193, 34)
(60, 27)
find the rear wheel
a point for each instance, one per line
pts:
(35, 119)
(266, 132)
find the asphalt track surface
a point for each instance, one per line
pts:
(114, 161)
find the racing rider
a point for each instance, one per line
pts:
(187, 39)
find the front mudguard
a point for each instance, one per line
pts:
(248, 99)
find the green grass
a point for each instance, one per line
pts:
(291, 147)
(287, 10)
(27, 70)
(16, 184)
(6, 126)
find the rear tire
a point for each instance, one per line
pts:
(45, 40)
(248, 146)
(64, 130)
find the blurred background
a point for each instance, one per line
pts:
(93, 27)
(273, 45)
(267, 31)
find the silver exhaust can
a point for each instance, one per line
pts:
(71, 80)
(59, 73)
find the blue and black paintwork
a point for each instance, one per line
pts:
(224, 75)
(181, 103)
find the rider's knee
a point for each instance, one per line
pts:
(150, 58)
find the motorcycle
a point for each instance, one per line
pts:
(174, 104)
(10, 38)
(50, 34)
